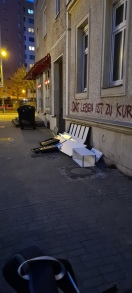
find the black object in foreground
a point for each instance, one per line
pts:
(31, 272)
(50, 141)
(45, 149)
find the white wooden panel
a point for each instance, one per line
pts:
(85, 134)
(68, 146)
(77, 131)
(74, 129)
(71, 128)
(81, 132)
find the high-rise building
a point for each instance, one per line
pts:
(17, 36)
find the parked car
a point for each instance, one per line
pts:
(8, 107)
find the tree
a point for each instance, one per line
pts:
(20, 83)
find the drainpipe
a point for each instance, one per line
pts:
(67, 60)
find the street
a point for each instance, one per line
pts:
(84, 215)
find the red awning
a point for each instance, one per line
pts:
(39, 67)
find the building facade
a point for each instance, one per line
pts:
(17, 36)
(89, 77)
(50, 69)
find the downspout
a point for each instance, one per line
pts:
(67, 61)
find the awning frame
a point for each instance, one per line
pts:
(38, 68)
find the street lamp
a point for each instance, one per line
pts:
(3, 54)
(23, 91)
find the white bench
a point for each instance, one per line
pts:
(74, 138)
(76, 132)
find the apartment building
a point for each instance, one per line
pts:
(29, 43)
(16, 19)
(84, 71)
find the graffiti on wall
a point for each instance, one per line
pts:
(119, 110)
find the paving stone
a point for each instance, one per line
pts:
(86, 219)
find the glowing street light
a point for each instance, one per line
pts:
(3, 53)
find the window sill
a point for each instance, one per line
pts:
(81, 96)
(113, 91)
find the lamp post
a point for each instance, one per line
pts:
(1, 71)
(3, 54)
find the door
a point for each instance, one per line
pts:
(58, 94)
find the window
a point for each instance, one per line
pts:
(31, 57)
(19, 25)
(47, 91)
(82, 39)
(115, 36)
(31, 39)
(57, 7)
(44, 22)
(119, 14)
(84, 58)
(30, 65)
(30, 11)
(31, 48)
(30, 30)
(30, 20)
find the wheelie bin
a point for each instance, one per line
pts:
(26, 115)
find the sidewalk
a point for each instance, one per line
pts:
(47, 200)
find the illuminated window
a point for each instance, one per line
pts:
(31, 48)
(30, 30)
(47, 91)
(30, 11)
(31, 65)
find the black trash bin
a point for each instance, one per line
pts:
(26, 116)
